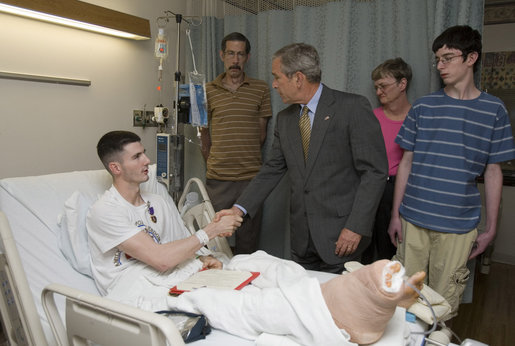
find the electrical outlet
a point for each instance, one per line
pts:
(143, 118)
(137, 118)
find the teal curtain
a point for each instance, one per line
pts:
(352, 38)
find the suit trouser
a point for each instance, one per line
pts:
(223, 195)
(381, 246)
(312, 260)
(443, 256)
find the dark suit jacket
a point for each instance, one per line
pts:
(342, 181)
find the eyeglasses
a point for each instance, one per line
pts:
(445, 59)
(382, 87)
(231, 54)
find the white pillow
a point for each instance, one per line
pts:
(73, 237)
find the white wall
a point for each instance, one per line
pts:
(47, 128)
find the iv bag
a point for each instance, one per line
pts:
(198, 100)
(161, 45)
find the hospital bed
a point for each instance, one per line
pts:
(40, 277)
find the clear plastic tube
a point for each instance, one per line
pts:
(435, 322)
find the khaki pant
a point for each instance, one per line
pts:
(443, 256)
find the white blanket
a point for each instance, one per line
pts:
(143, 287)
(282, 306)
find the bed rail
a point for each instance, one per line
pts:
(104, 321)
(200, 215)
(19, 314)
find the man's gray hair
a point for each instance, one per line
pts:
(300, 57)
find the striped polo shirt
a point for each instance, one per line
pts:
(452, 142)
(234, 119)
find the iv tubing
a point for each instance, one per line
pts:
(435, 322)
(192, 54)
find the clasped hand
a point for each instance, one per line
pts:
(226, 222)
(233, 212)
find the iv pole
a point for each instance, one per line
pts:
(176, 162)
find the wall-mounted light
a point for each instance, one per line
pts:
(80, 15)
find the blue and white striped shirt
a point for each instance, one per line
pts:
(452, 142)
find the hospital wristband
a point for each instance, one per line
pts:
(202, 236)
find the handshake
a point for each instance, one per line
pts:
(225, 222)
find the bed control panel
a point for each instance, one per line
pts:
(13, 328)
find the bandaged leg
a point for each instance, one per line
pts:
(362, 302)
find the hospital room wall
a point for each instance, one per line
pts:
(499, 38)
(48, 128)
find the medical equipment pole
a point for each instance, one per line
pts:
(173, 171)
(177, 138)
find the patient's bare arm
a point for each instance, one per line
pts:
(362, 302)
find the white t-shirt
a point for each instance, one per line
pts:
(112, 220)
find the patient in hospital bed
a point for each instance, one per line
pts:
(129, 229)
(140, 248)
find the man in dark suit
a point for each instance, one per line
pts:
(337, 180)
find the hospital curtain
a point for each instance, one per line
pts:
(352, 37)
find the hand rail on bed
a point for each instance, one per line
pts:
(23, 326)
(104, 321)
(200, 215)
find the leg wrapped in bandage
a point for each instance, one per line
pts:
(362, 302)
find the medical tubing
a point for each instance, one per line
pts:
(435, 322)
(192, 54)
(453, 333)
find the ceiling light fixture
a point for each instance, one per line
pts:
(80, 15)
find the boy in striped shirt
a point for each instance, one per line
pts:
(449, 137)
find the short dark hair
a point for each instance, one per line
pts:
(112, 144)
(236, 36)
(461, 37)
(300, 57)
(396, 68)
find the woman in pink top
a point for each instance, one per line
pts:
(391, 79)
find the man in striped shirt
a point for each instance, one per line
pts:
(450, 137)
(238, 113)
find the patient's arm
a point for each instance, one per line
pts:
(362, 302)
(163, 257)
